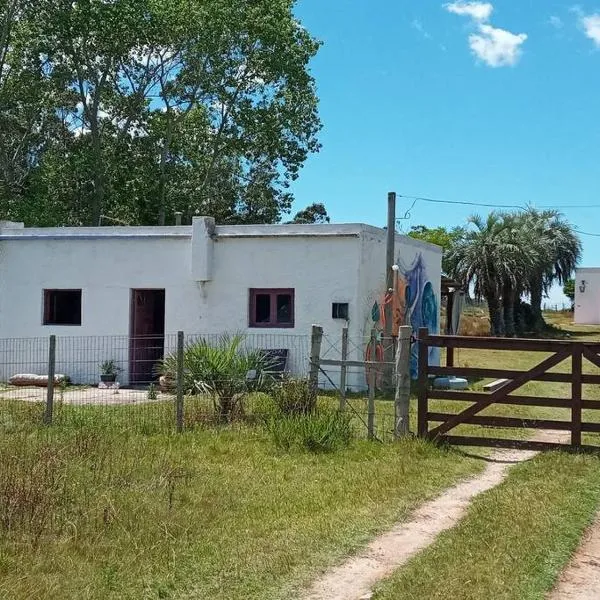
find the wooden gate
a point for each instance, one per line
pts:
(558, 350)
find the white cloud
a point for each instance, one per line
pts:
(479, 11)
(556, 22)
(497, 47)
(591, 27)
(493, 46)
(418, 26)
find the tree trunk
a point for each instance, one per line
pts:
(508, 304)
(97, 171)
(536, 303)
(162, 180)
(495, 310)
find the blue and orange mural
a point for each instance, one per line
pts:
(414, 302)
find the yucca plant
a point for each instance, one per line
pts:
(225, 370)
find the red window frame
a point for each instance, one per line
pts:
(273, 293)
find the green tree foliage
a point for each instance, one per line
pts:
(315, 213)
(441, 236)
(509, 255)
(146, 107)
(569, 290)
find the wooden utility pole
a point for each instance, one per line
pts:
(388, 344)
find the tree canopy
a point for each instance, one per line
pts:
(133, 110)
(509, 255)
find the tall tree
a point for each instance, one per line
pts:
(484, 258)
(558, 252)
(161, 107)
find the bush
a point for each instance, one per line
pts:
(324, 431)
(293, 397)
(226, 371)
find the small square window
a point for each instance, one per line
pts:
(62, 307)
(339, 310)
(271, 308)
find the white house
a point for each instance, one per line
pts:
(587, 296)
(120, 292)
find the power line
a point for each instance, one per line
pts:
(416, 199)
(437, 201)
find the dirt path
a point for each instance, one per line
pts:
(581, 578)
(354, 579)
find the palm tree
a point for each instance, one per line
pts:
(519, 258)
(558, 252)
(486, 258)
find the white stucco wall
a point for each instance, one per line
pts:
(587, 303)
(206, 274)
(322, 270)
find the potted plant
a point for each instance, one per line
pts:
(109, 371)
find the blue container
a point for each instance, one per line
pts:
(450, 383)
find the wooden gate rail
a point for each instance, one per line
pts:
(560, 351)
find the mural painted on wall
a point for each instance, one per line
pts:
(413, 302)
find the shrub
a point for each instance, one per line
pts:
(226, 371)
(324, 431)
(293, 397)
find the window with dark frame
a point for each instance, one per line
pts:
(339, 310)
(62, 307)
(271, 307)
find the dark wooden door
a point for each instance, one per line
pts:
(147, 335)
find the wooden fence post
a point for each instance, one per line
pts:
(179, 398)
(372, 383)
(422, 420)
(316, 338)
(48, 413)
(576, 377)
(343, 369)
(402, 398)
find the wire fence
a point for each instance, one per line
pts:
(129, 381)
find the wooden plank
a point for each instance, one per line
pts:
(509, 400)
(423, 390)
(576, 395)
(487, 343)
(344, 369)
(316, 338)
(482, 373)
(506, 422)
(180, 373)
(591, 355)
(449, 357)
(402, 396)
(590, 404)
(590, 427)
(49, 410)
(458, 440)
(495, 385)
(516, 383)
(372, 383)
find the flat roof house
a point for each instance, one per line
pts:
(92, 286)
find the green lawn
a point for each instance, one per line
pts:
(95, 510)
(514, 540)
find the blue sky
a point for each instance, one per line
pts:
(495, 103)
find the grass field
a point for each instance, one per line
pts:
(514, 540)
(108, 503)
(94, 510)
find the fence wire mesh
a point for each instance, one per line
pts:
(126, 381)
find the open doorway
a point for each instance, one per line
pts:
(147, 334)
